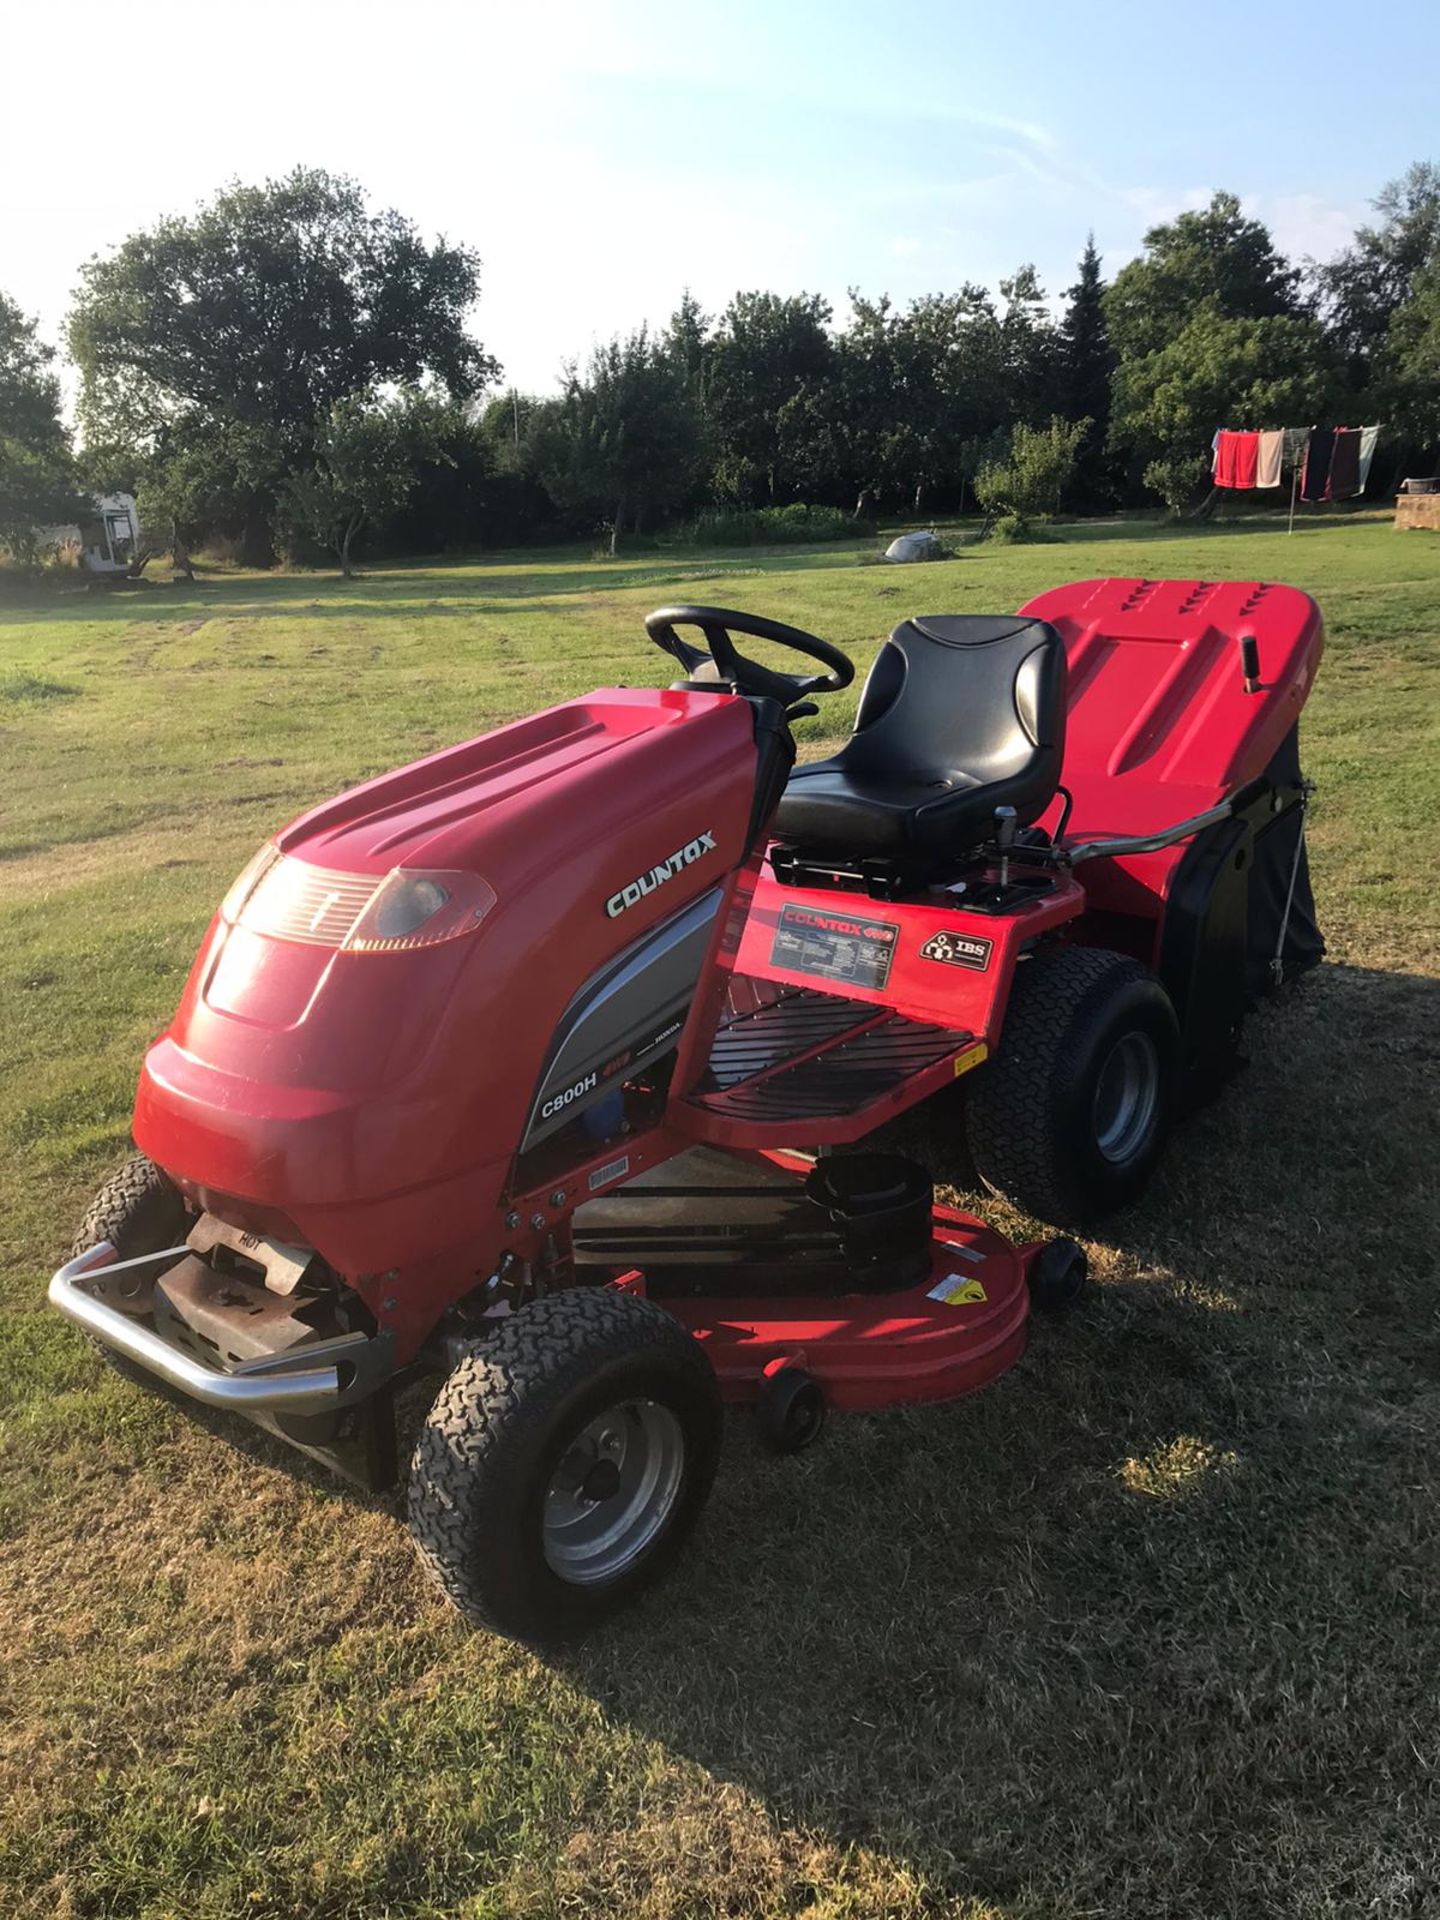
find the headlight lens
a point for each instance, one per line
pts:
(289, 899)
(410, 909)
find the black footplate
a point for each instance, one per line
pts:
(803, 1055)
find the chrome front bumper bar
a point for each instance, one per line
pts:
(347, 1369)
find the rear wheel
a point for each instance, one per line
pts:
(139, 1210)
(1068, 1120)
(564, 1462)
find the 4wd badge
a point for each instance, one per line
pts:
(958, 950)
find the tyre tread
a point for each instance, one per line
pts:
(1010, 1115)
(491, 1416)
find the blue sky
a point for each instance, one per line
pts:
(601, 157)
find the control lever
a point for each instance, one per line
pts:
(1004, 840)
(1250, 663)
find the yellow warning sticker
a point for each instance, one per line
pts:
(965, 1061)
(958, 1290)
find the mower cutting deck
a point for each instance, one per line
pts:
(527, 1063)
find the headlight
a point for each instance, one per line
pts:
(247, 880)
(288, 899)
(410, 909)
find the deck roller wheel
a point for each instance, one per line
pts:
(791, 1409)
(1058, 1276)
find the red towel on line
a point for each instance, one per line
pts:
(1236, 458)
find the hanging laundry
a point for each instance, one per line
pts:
(1235, 458)
(1272, 448)
(1296, 441)
(1368, 437)
(1345, 464)
(1315, 481)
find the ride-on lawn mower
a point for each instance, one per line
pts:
(527, 1062)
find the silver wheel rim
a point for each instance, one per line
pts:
(612, 1492)
(1126, 1096)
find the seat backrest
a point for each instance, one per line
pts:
(978, 695)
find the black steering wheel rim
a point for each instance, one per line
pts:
(718, 624)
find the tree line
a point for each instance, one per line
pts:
(288, 369)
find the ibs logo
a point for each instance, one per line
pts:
(959, 950)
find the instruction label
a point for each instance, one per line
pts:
(835, 945)
(958, 1290)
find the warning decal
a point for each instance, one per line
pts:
(958, 1290)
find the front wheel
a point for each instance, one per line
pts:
(138, 1210)
(1068, 1120)
(564, 1462)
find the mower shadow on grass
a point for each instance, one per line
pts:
(1142, 1627)
(1145, 1627)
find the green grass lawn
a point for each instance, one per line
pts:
(1151, 1628)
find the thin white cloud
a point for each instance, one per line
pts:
(1303, 225)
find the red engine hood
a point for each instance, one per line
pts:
(377, 1099)
(441, 811)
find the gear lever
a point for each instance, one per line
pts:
(1004, 840)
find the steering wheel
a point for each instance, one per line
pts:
(722, 662)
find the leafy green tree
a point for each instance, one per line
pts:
(1178, 478)
(1087, 366)
(367, 460)
(1030, 481)
(213, 344)
(769, 358)
(1209, 328)
(1366, 285)
(961, 335)
(1215, 260)
(37, 479)
(868, 421)
(1276, 371)
(687, 338)
(1410, 363)
(1029, 349)
(911, 390)
(623, 444)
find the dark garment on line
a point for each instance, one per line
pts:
(1315, 482)
(1345, 464)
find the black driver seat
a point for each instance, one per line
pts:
(961, 714)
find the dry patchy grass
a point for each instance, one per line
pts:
(1150, 1628)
